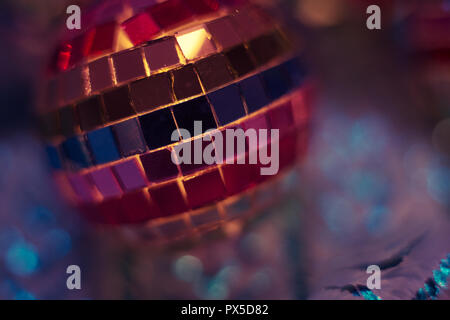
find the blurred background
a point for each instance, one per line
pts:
(373, 189)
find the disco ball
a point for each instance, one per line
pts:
(135, 75)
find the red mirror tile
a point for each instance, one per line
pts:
(104, 38)
(110, 212)
(100, 74)
(170, 13)
(162, 53)
(204, 189)
(281, 118)
(228, 155)
(89, 16)
(257, 123)
(239, 177)
(61, 58)
(168, 198)
(140, 28)
(138, 207)
(202, 6)
(269, 149)
(80, 47)
(288, 149)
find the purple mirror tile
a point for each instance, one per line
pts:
(227, 104)
(106, 183)
(223, 33)
(82, 187)
(162, 53)
(254, 94)
(159, 166)
(130, 175)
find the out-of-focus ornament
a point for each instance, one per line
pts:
(140, 70)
